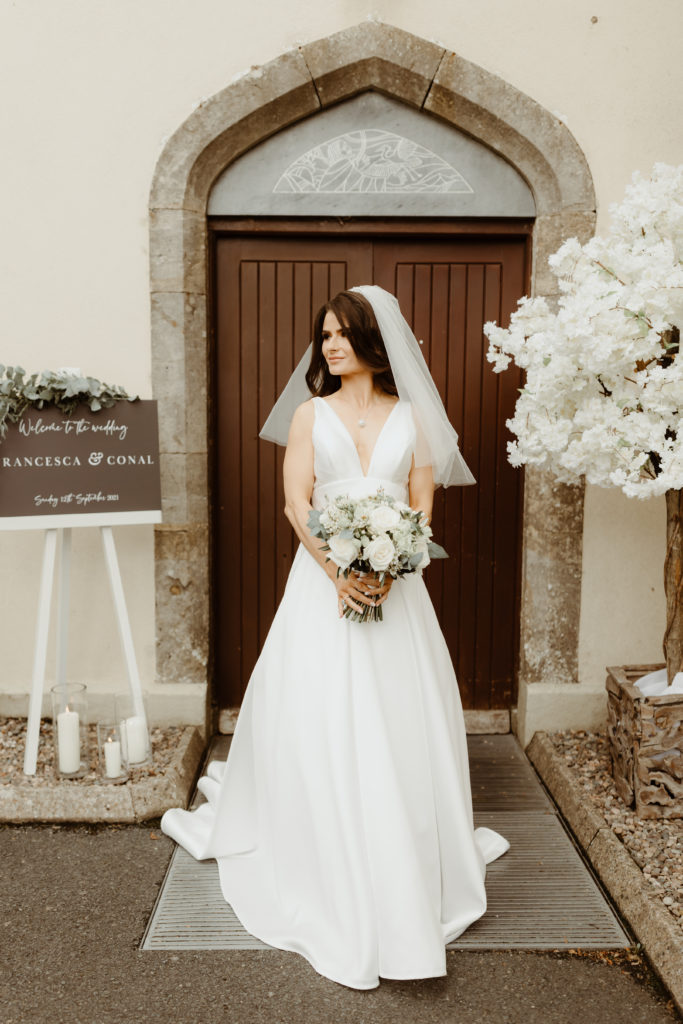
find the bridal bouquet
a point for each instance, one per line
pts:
(375, 534)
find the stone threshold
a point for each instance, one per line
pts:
(650, 922)
(129, 802)
(493, 722)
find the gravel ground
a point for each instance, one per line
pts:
(13, 739)
(655, 845)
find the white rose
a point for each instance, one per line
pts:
(343, 550)
(384, 518)
(379, 553)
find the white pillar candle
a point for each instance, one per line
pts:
(112, 758)
(134, 736)
(69, 741)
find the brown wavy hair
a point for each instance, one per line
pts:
(355, 313)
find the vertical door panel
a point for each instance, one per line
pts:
(266, 294)
(448, 289)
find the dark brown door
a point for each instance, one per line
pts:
(266, 291)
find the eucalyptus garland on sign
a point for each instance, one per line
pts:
(65, 389)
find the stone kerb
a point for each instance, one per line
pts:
(136, 800)
(294, 86)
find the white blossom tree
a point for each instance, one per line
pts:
(603, 395)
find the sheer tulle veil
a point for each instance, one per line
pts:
(437, 441)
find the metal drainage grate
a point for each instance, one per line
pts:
(540, 893)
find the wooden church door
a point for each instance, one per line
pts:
(267, 287)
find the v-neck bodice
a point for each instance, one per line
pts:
(348, 432)
(337, 464)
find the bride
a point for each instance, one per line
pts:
(341, 821)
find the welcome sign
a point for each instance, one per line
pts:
(89, 468)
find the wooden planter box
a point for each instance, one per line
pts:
(646, 744)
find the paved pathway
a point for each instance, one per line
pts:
(540, 894)
(76, 902)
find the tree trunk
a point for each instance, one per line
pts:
(673, 584)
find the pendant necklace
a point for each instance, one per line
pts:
(361, 423)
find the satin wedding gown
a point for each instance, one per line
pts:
(342, 819)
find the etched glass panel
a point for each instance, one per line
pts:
(371, 160)
(370, 156)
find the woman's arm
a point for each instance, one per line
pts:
(298, 481)
(421, 489)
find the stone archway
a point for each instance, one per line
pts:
(267, 99)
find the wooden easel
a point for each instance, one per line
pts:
(43, 626)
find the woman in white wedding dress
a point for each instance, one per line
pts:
(342, 819)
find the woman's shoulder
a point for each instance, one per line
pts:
(301, 423)
(304, 415)
(305, 410)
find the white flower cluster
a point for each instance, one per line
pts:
(603, 395)
(375, 534)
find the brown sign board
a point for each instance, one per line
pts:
(89, 468)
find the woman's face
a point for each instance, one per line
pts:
(337, 349)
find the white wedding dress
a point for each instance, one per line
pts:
(342, 819)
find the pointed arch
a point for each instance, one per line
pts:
(369, 56)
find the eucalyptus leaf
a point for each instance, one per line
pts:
(65, 391)
(436, 551)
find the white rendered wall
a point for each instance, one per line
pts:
(93, 90)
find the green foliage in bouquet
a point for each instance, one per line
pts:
(65, 389)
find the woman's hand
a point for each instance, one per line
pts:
(364, 589)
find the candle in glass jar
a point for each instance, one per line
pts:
(69, 741)
(112, 758)
(134, 735)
